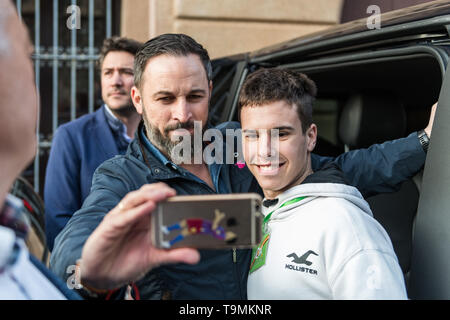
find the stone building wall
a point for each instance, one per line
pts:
(228, 27)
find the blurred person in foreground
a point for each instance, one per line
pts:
(21, 275)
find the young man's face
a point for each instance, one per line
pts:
(174, 92)
(260, 148)
(117, 80)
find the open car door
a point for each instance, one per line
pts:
(430, 265)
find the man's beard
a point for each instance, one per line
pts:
(124, 111)
(164, 143)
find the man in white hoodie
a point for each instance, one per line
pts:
(320, 238)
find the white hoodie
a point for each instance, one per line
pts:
(326, 246)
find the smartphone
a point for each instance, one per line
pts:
(216, 221)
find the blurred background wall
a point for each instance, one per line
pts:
(227, 27)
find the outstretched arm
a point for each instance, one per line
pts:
(381, 167)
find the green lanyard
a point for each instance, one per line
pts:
(267, 218)
(259, 253)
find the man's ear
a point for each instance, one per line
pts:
(311, 137)
(137, 99)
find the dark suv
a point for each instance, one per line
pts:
(376, 85)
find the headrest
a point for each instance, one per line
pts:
(369, 118)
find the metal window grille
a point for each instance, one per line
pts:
(67, 36)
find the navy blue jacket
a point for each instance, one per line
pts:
(78, 148)
(218, 275)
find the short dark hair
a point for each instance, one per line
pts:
(271, 85)
(172, 44)
(118, 44)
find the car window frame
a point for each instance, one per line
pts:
(430, 262)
